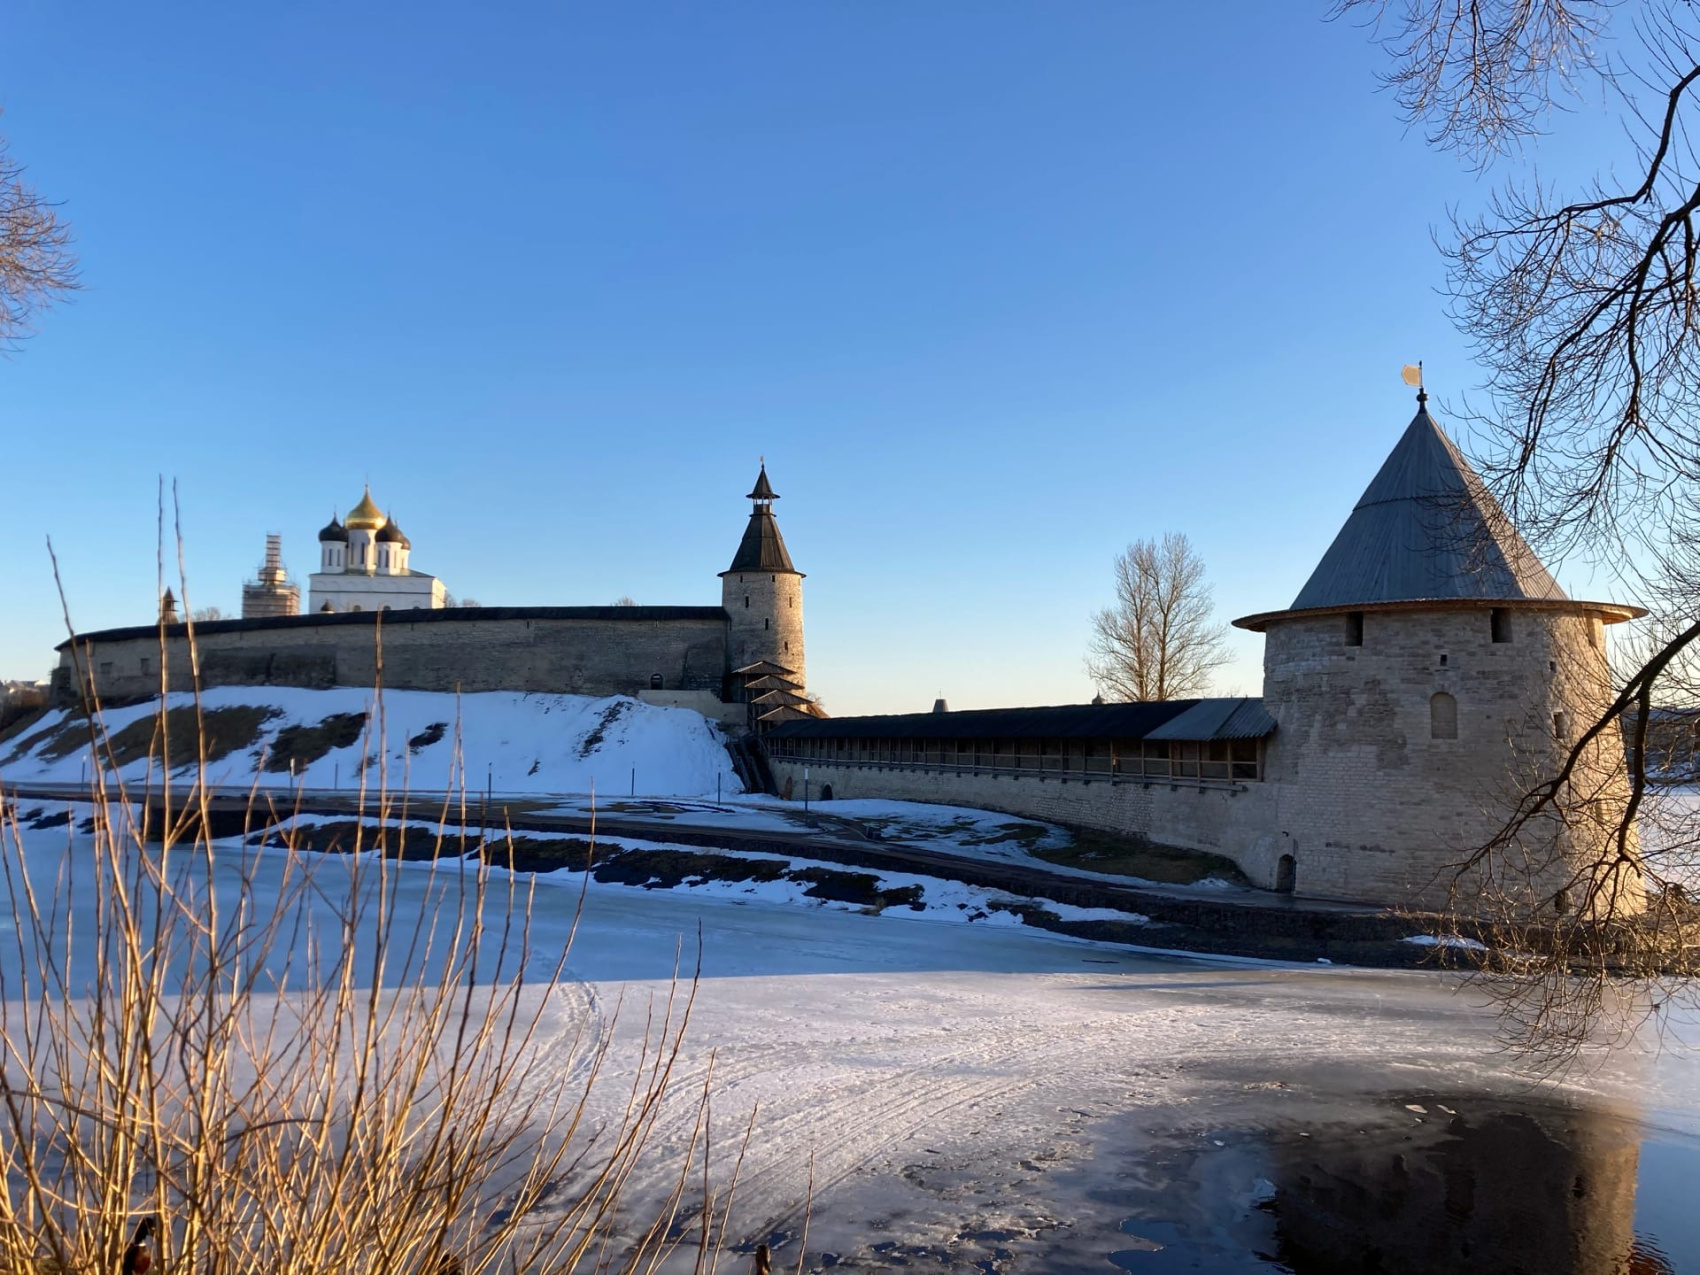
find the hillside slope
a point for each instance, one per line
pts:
(516, 742)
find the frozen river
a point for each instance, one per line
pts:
(982, 1097)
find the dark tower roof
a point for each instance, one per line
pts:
(763, 489)
(333, 530)
(762, 548)
(1427, 529)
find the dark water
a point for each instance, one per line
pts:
(1408, 1185)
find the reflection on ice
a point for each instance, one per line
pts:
(1413, 1186)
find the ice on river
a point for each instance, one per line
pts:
(964, 1091)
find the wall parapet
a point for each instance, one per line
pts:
(412, 615)
(1051, 774)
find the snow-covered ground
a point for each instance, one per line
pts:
(616, 756)
(967, 1090)
(426, 741)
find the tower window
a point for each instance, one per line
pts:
(764, 624)
(1561, 726)
(746, 602)
(655, 681)
(1499, 623)
(1354, 628)
(1442, 716)
(1442, 661)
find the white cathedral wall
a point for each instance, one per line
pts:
(348, 590)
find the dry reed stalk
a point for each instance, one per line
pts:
(306, 1063)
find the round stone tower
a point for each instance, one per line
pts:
(763, 594)
(1429, 673)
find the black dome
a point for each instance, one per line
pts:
(334, 531)
(390, 534)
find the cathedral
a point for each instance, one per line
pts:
(363, 566)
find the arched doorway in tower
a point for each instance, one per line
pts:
(1286, 874)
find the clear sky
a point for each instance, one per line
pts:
(995, 287)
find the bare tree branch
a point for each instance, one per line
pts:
(1157, 641)
(37, 266)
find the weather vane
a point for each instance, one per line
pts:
(1412, 374)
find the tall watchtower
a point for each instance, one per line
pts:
(1431, 671)
(763, 593)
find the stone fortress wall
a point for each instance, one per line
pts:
(1430, 674)
(1364, 791)
(1234, 820)
(575, 650)
(1397, 756)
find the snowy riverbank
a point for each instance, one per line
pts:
(971, 1090)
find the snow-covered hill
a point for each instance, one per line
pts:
(517, 743)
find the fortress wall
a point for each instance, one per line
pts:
(506, 650)
(735, 717)
(1370, 804)
(1234, 820)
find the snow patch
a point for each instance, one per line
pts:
(509, 742)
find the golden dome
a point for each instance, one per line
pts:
(365, 516)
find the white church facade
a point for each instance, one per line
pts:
(364, 566)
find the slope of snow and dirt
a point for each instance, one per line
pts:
(513, 742)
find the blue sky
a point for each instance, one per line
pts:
(995, 287)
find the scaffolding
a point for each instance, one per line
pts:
(272, 592)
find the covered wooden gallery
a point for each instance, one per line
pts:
(1192, 740)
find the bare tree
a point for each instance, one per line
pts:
(204, 615)
(1158, 641)
(37, 266)
(625, 600)
(1584, 307)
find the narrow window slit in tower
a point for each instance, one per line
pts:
(1499, 623)
(1442, 716)
(1354, 628)
(1442, 661)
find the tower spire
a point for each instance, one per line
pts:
(762, 493)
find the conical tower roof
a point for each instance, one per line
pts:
(1427, 529)
(762, 548)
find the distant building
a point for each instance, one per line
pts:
(273, 592)
(739, 662)
(363, 566)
